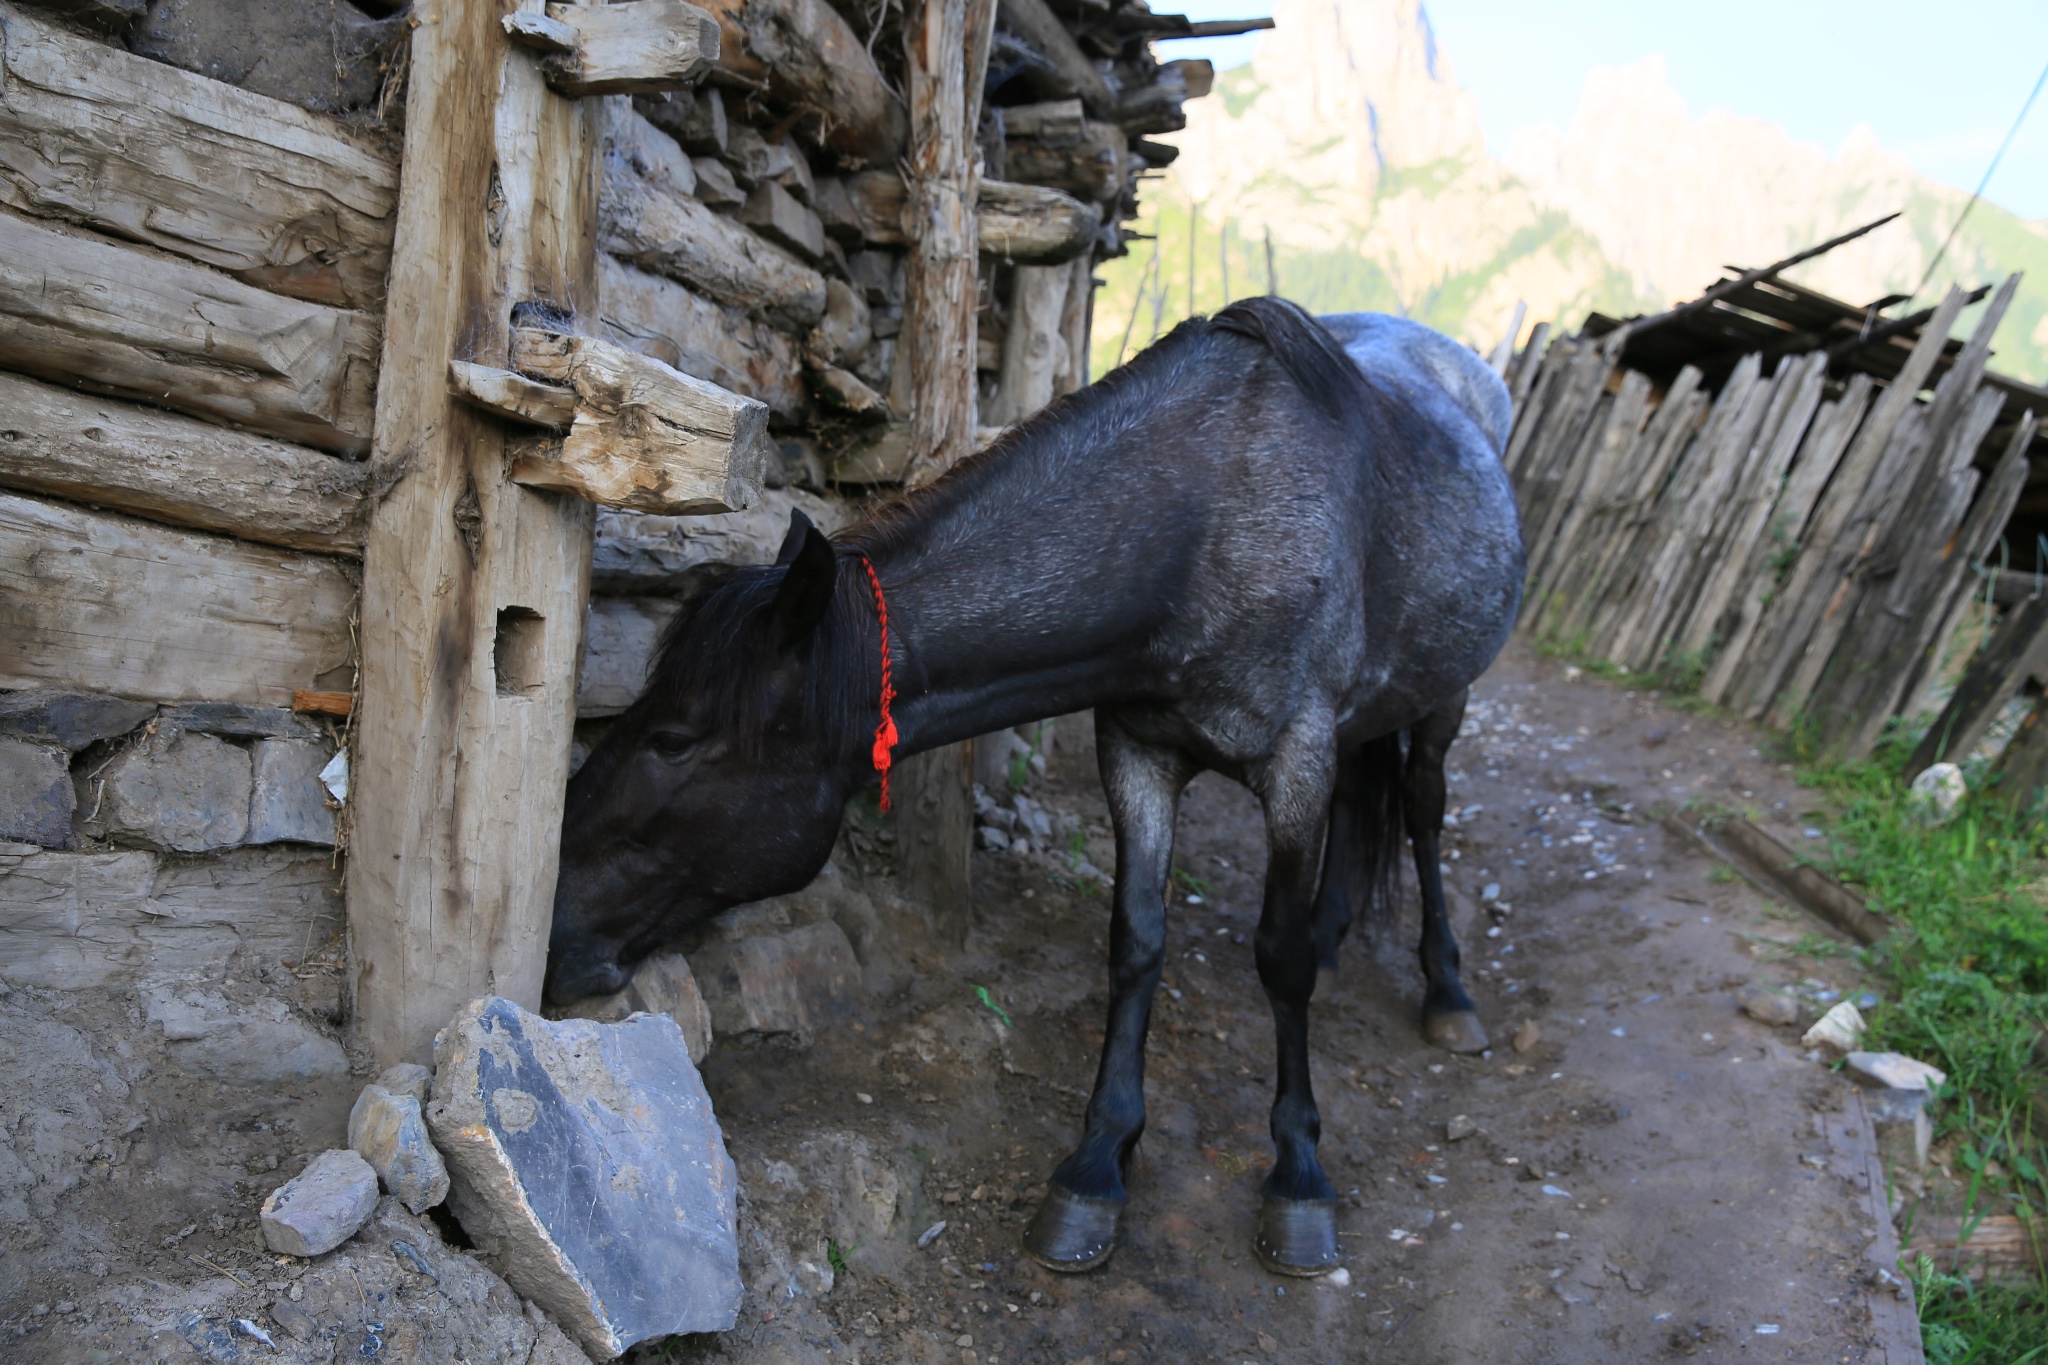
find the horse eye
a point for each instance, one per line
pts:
(671, 744)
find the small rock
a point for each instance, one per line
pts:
(388, 1131)
(1490, 892)
(1896, 1071)
(1459, 1128)
(407, 1078)
(1841, 1028)
(287, 803)
(1527, 1036)
(295, 1321)
(992, 838)
(321, 1207)
(1769, 1006)
(1936, 794)
(778, 983)
(36, 795)
(589, 1170)
(1034, 818)
(660, 985)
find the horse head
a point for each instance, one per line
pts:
(725, 781)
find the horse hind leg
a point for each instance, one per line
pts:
(1297, 1232)
(1361, 850)
(1449, 1018)
(1075, 1226)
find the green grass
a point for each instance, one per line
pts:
(1964, 981)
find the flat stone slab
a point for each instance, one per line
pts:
(589, 1170)
(778, 983)
(322, 1206)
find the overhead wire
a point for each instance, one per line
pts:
(1989, 171)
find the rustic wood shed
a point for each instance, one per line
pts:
(368, 373)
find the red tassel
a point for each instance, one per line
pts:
(885, 732)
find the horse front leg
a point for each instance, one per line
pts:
(1449, 1018)
(1298, 1213)
(1075, 1226)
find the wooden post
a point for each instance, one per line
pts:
(938, 324)
(474, 587)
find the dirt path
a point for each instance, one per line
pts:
(1648, 1177)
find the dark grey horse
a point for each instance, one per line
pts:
(1270, 547)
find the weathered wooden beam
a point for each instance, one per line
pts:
(812, 60)
(107, 603)
(1032, 225)
(474, 588)
(938, 320)
(1033, 349)
(279, 197)
(629, 47)
(169, 468)
(1058, 122)
(656, 316)
(513, 396)
(658, 228)
(121, 320)
(1090, 165)
(645, 437)
(1036, 24)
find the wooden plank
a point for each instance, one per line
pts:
(1528, 363)
(1089, 167)
(1586, 481)
(1032, 225)
(1033, 349)
(1795, 611)
(657, 227)
(812, 61)
(1732, 558)
(941, 294)
(1077, 316)
(2001, 1248)
(1036, 24)
(1627, 558)
(513, 396)
(458, 769)
(1893, 624)
(645, 437)
(632, 47)
(656, 316)
(276, 196)
(107, 603)
(1909, 475)
(1826, 438)
(169, 468)
(137, 324)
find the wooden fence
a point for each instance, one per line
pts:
(1798, 549)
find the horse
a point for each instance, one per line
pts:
(1271, 546)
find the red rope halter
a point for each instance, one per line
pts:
(885, 732)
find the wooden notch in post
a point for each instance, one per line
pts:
(643, 437)
(637, 47)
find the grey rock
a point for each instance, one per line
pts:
(323, 56)
(619, 639)
(778, 983)
(287, 803)
(407, 1078)
(589, 1170)
(660, 985)
(36, 795)
(178, 791)
(261, 1044)
(1896, 1071)
(70, 720)
(240, 721)
(320, 1208)
(991, 837)
(1459, 1128)
(1034, 818)
(389, 1131)
(1769, 1006)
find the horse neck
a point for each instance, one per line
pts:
(994, 619)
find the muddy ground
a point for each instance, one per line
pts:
(1647, 1174)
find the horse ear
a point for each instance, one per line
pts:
(799, 526)
(806, 592)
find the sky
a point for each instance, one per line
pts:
(1938, 84)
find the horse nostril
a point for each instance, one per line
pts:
(573, 981)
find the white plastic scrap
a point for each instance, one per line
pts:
(1841, 1028)
(334, 776)
(1897, 1071)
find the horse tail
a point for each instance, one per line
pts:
(1305, 349)
(1381, 832)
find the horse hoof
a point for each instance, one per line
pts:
(1455, 1031)
(1298, 1236)
(1072, 1232)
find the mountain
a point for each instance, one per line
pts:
(1348, 144)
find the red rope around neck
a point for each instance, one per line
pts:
(885, 732)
